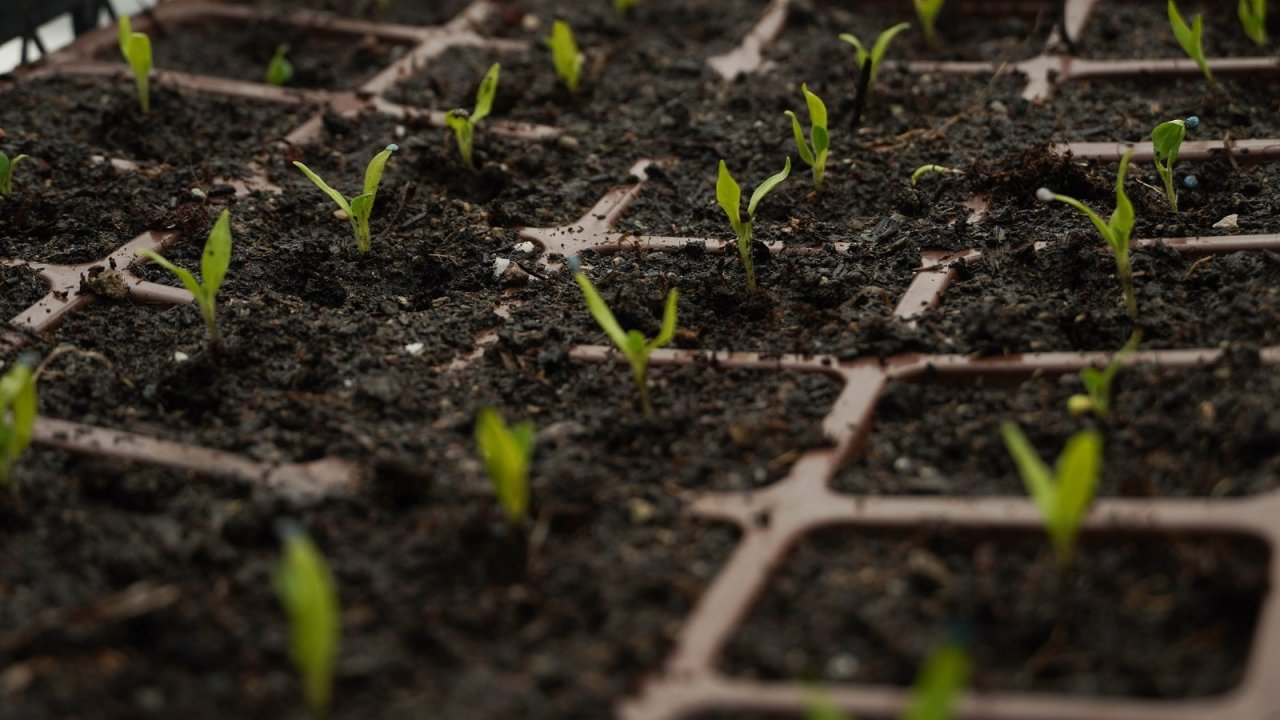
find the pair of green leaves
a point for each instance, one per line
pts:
(927, 11)
(506, 453)
(213, 268)
(1166, 141)
(6, 173)
(1115, 232)
(136, 49)
(1064, 494)
(632, 343)
(17, 416)
(464, 124)
(941, 679)
(565, 55)
(813, 151)
(729, 195)
(360, 207)
(877, 51)
(310, 599)
(1190, 37)
(1253, 18)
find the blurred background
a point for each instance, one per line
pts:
(58, 33)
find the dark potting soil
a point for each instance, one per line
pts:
(875, 605)
(1202, 432)
(20, 287)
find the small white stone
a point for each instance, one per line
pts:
(500, 266)
(198, 194)
(180, 357)
(1044, 195)
(530, 22)
(1230, 222)
(400, 132)
(414, 348)
(525, 247)
(341, 215)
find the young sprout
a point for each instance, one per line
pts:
(1253, 18)
(1097, 383)
(464, 124)
(729, 195)
(306, 589)
(876, 54)
(927, 11)
(1064, 494)
(622, 7)
(360, 207)
(933, 697)
(565, 55)
(6, 173)
(927, 169)
(279, 70)
(1115, 231)
(814, 155)
(136, 49)
(17, 415)
(1189, 37)
(506, 452)
(1166, 140)
(631, 343)
(213, 268)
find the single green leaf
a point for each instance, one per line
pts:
(456, 120)
(373, 173)
(484, 96)
(217, 255)
(310, 599)
(336, 196)
(1166, 139)
(1079, 468)
(882, 44)
(17, 416)
(506, 456)
(939, 683)
(821, 141)
(124, 29)
(817, 109)
(801, 146)
(668, 331)
(1121, 221)
(860, 53)
(1035, 475)
(565, 55)
(361, 206)
(729, 195)
(188, 280)
(279, 69)
(767, 187)
(601, 312)
(138, 54)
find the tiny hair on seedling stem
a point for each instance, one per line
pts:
(1115, 232)
(360, 207)
(1166, 141)
(310, 599)
(213, 268)
(729, 195)
(877, 51)
(136, 49)
(464, 124)
(7, 167)
(565, 56)
(632, 343)
(814, 150)
(506, 452)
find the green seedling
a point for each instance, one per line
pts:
(17, 416)
(1253, 18)
(1064, 494)
(360, 207)
(1115, 232)
(565, 55)
(729, 195)
(622, 7)
(933, 697)
(506, 452)
(279, 70)
(927, 11)
(1190, 38)
(7, 167)
(632, 343)
(877, 51)
(213, 268)
(814, 150)
(1097, 383)
(136, 49)
(463, 123)
(1166, 141)
(932, 169)
(307, 591)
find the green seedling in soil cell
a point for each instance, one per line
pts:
(814, 150)
(279, 70)
(933, 697)
(1190, 38)
(729, 195)
(506, 452)
(463, 123)
(622, 7)
(136, 49)
(1253, 18)
(565, 55)
(927, 11)
(932, 169)
(359, 208)
(310, 599)
(17, 415)
(1097, 383)
(632, 343)
(1166, 141)
(213, 268)
(7, 167)
(1064, 494)
(1115, 231)
(877, 51)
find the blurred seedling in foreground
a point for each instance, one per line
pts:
(279, 70)
(7, 167)
(310, 599)
(136, 49)
(1191, 38)
(506, 452)
(1253, 18)
(927, 11)
(1063, 495)
(565, 56)
(17, 415)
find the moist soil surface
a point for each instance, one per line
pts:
(146, 592)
